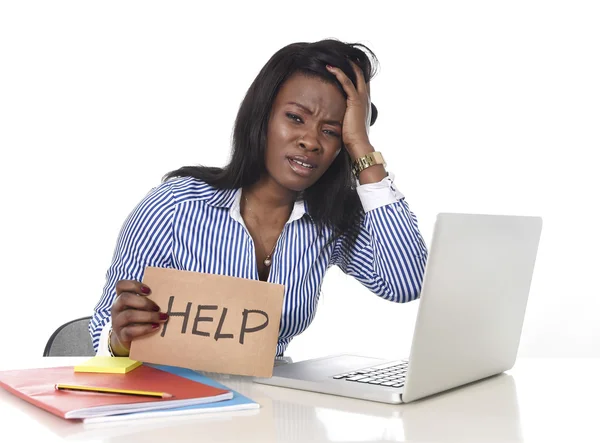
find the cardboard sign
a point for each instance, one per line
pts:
(216, 323)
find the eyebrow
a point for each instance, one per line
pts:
(308, 111)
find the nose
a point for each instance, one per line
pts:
(309, 142)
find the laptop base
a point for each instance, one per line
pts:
(316, 375)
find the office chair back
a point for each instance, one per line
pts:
(71, 339)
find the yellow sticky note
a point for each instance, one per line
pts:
(111, 365)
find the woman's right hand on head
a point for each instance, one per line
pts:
(133, 315)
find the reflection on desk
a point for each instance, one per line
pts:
(489, 410)
(466, 414)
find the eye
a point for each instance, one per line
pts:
(331, 133)
(293, 117)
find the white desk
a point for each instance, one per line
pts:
(538, 400)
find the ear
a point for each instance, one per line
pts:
(373, 114)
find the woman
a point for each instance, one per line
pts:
(286, 207)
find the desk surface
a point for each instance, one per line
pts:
(537, 400)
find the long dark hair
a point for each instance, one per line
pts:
(332, 201)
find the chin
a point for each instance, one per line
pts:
(296, 187)
(294, 184)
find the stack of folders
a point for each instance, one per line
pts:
(114, 390)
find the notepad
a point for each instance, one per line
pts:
(108, 365)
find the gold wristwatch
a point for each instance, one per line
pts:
(371, 159)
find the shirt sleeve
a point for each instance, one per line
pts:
(389, 254)
(376, 195)
(145, 239)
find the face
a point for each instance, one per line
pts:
(304, 135)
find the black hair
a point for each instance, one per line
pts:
(332, 201)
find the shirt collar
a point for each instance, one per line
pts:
(223, 198)
(230, 198)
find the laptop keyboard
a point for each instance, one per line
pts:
(389, 374)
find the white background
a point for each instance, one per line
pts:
(484, 107)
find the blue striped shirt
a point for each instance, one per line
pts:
(186, 224)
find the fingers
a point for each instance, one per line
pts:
(132, 286)
(130, 300)
(134, 319)
(133, 314)
(129, 315)
(130, 323)
(353, 92)
(129, 333)
(358, 101)
(362, 87)
(345, 82)
(128, 296)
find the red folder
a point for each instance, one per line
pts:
(37, 386)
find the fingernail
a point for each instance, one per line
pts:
(156, 308)
(155, 325)
(145, 289)
(329, 67)
(163, 316)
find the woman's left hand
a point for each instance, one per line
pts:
(355, 127)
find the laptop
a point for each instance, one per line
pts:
(469, 322)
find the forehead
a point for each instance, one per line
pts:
(312, 92)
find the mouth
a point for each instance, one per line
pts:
(301, 165)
